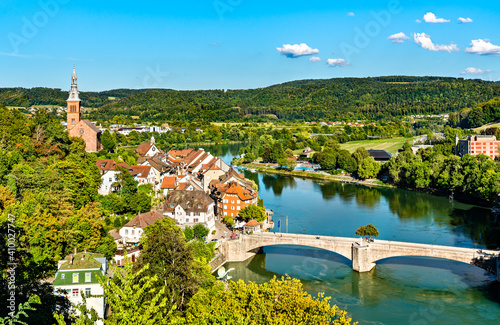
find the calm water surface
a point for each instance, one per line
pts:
(402, 290)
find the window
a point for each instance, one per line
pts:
(238, 208)
(75, 292)
(75, 277)
(133, 232)
(87, 292)
(126, 231)
(88, 276)
(237, 201)
(225, 207)
(199, 206)
(232, 207)
(171, 205)
(110, 179)
(187, 219)
(195, 220)
(73, 120)
(232, 201)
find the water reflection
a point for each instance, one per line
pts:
(331, 208)
(432, 217)
(405, 290)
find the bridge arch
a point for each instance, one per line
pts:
(321, 249)
(255, 243)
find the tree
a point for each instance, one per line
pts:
(253, 212)
(21, 315)
(188, 233)
(108, 141)
(328, 161)
(371, 230)
(200, 231)
(276, 302)
(229, 221)
(168, 256)
(136, 297)
(368, 230)
(368, 168)
(266, 156)
(287, 164)
(277, 152)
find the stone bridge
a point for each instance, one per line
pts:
(362, 254)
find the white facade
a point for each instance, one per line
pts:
(188, 219)
(107, 179)
(146, 179)
(130, 234)
(74, 295)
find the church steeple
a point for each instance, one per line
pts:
(74, 103)
(73, 93)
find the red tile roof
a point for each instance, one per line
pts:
(142, 171)
(251, 223)
(168, 182)
(143, 148)
(236, 188)
(144, 219)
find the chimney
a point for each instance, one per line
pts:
(83, 257)
(71, 260)
(75, 250)
(85, 250)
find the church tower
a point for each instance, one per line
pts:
(74, 103)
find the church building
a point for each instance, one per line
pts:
(76, 126)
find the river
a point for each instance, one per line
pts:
(403, 290)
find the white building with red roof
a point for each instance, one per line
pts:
(131, 232)
(109, 174)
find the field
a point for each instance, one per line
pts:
(390, 145)
(490, 125)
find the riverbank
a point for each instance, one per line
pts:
(268, 168)
(317, 176)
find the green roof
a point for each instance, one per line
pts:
(89, 262)
(65, 277)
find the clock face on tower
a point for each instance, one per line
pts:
(82, 131)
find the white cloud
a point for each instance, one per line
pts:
(337, 63)
(474, 71)
(431, 18)
(465, 20)
(418, 21)
(425, 42)
(351, 14)
(296, 50)
(315, 59)
(483, 47)
(398, 37)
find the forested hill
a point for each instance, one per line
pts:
(337, 98)
(24, 97)
(310, 100)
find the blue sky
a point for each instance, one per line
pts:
(233, 44)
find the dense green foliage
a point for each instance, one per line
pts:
(23, 97)
(346, 98)
(252, 212)
(469, 177)
(49, 184)
(275, 302)
(171, 259)
(368, 230)
(479, 115)
(339, 98)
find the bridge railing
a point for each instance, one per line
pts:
(380, 242)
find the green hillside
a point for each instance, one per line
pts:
(339, 98)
